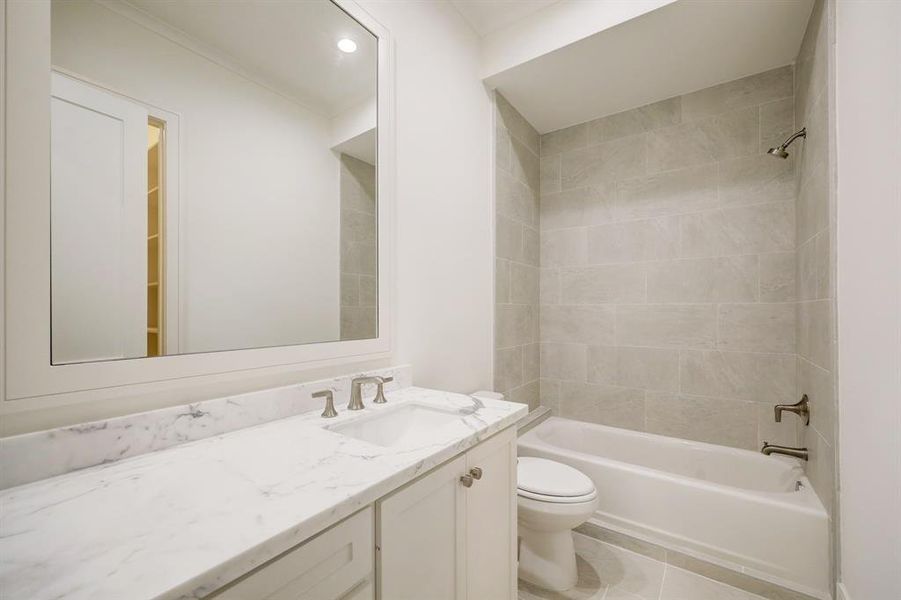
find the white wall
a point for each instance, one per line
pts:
(868, 116)
(444, 242)
(554, 27)
(259, 194)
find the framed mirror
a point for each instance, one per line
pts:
(213, 177)
(205, 184)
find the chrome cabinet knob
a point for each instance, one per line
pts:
(476, 472)
(466, 480)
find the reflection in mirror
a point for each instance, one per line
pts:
(213, 177)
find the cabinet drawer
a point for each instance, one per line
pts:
(333, 565)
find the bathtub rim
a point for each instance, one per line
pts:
(812, 501)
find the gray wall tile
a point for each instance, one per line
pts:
(765, 378)
(670, 193)
(756, 179)
(648, 368)
(501, 281)
(745, 92)
(602, 366)
(523, 284)
(777, 277)
(725, 279)
(757, 327)
(744, 230)
(777, 122)
(639, 120)
(564, 247)
(549, 173)
(578, 207)
(604, 284)
(564, 361)
(549, 286)
(633, 241)
(602, 163)
(724, 136)
(604, 404)
(579, 324)
(518, 178)
(514, 325)
(713, 420)
(563, 140)
(666, 326)
(515, 200)
(507, 368)
(672, 241)
(815, 332)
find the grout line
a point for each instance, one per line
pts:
(666, 567)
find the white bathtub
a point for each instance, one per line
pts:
(740, 509)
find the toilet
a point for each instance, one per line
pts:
(553, 499)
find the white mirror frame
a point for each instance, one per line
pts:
(27, 370)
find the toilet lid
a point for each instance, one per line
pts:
(549, 478)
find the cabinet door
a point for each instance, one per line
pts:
(336, 564)
(421, 538)
(491, 520)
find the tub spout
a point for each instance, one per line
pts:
(800, 408)
(769, 448)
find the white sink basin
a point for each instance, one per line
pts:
(408, 423)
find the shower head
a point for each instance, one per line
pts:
(779, 151)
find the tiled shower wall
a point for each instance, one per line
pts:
(359, 250)
(516, 268)
(667, 282)
(816, 258)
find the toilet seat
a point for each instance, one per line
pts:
(557, 499)
(550, 481)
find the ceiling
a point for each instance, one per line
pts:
(289, 46)
(486, 16)
(679, 48)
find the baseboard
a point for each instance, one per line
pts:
(841, 592)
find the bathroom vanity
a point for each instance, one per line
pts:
(412, 497)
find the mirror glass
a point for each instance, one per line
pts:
(213, 177)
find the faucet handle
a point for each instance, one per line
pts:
(800, 408)
(380, 393)
(329, 411)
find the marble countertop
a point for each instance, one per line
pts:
(182, 522)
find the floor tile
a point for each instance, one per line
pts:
(620, 570)
(608, 572)
(589, 586)
(679, 584)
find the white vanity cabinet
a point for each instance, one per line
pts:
(336, 564)
(438, 539)
(447, 535)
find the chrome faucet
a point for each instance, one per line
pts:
(800, 408)
(356, 393)
(769, 448)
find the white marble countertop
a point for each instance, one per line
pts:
(181, 522)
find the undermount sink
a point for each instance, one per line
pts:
(396, 426)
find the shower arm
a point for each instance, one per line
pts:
(794, 136)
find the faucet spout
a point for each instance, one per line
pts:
(800, 408)
(769, 448)
(356, 391)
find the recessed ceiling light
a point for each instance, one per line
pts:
(346, 45)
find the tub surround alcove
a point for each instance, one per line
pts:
(183, 501)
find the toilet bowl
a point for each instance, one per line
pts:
(552, 499)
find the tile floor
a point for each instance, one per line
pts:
(609, 572)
